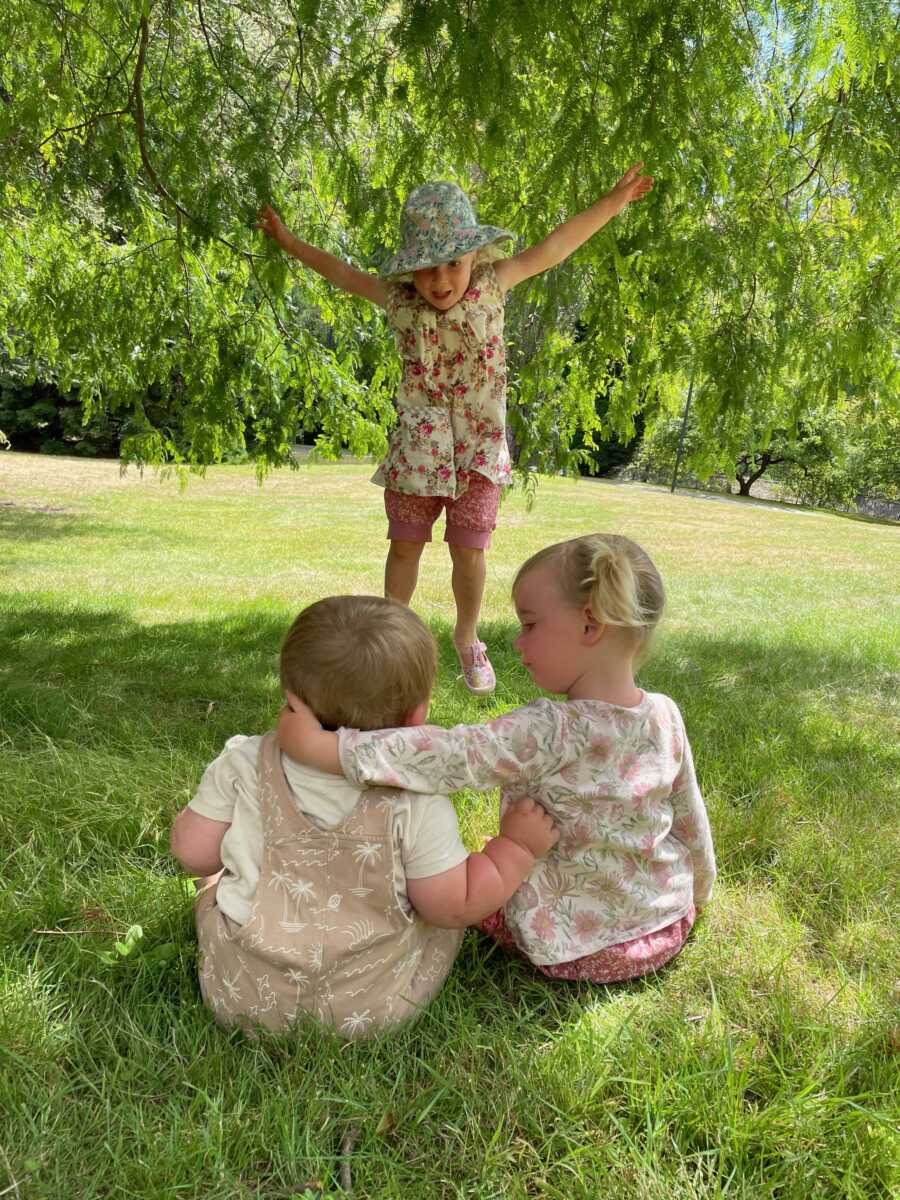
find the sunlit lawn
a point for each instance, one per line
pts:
(140, 628)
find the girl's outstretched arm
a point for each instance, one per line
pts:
(335, 270)
(526, 743)
(567, 237)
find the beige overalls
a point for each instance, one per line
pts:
(326, 934)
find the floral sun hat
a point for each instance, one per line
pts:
(438, 224)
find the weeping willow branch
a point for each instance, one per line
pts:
(215, 60)
(116, 112)
(137, 100)
(823, 146)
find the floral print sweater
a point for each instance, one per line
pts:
(635, 852)
(451, 404)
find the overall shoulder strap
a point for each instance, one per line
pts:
(373, 815)
(279, 813)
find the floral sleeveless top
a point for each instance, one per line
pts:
(451, 404)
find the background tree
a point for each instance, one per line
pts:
(836, 455)
(865, 474)
(137, 143)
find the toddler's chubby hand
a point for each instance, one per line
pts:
(268, 220)
(530, 826)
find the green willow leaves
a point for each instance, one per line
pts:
(137, 142)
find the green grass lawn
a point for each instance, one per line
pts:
(140, 628)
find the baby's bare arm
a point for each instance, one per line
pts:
(196, 842)
(479, 886)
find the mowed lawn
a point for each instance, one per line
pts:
(141, 623)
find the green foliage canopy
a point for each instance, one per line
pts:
(137, 142)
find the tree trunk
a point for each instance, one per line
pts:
(762, 461)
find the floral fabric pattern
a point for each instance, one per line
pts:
(476, 509)
(451, 404)
(627, 960)
(635, 852)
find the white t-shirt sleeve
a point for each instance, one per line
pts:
(228, 792)
(228, 778)
(428, 835)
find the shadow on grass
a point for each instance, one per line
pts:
(771, 724)
(763, 716)
(98, 676)
(750, 704)
(33, 523)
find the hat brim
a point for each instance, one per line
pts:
(464, 241)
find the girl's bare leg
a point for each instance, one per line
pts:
(401, 571)
(469, 572)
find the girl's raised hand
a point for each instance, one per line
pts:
(268, 220)
(632, 186)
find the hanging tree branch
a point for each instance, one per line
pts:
(137, 101)
(115, 112)
(823, 146)
(215, 61)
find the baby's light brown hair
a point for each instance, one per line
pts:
(360, 661)
(609, 574)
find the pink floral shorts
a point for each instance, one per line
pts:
(627, 960)
(470, 520)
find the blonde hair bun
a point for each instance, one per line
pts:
(609, 574)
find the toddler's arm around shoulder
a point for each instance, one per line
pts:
(479, 886)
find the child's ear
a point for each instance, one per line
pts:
(417, 715)
(593, 629)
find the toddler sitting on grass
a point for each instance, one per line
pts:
(324, 897)
(618, 894)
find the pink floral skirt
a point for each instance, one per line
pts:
(470, 520)
(627, 960)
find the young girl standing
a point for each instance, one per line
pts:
(443, 293)
(617, 895)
